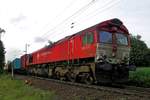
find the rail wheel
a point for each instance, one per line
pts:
(71, 76)
(88, 79)
(57, 75)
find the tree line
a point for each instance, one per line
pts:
(140, 53)
(2, 52)
(2, 56)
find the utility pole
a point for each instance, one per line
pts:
(26, 48)
(12, 70)
(26, 51)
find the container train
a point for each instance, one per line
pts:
(16, 64)
(97, 54)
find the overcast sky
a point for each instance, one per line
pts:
(36, 21)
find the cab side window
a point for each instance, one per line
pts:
(88, 38)
(84, 39)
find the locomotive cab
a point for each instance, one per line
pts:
(112, 53)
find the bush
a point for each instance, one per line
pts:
(141, 77)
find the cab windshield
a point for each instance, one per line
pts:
(121, 39)
(106, 37)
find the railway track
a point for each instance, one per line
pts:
(138, 90)
(127, 90)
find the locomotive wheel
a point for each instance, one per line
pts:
(88, 79)
(57, 75)
(71, 77)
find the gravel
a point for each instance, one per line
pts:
(68, 92)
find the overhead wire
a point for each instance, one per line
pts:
(97, 12)
(105, 7)
(56, 17)
(80, 10)
(108, 4)
(59, 15)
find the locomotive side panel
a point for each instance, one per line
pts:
(56, 52)
(70, 49)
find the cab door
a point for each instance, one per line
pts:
(104, 45)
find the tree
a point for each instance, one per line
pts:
(2, 56)
(147, 58)
(1, 31)
(139, 50)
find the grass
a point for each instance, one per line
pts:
(17, 90)
(140, 77)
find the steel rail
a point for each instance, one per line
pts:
(128, 90)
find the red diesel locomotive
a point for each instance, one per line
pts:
(97, 54)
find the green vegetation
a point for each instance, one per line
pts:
(141, 77)
(18, 90)
(2, 56)
(140, 53)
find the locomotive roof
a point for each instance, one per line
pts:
(114, 21)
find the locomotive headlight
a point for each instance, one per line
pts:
(99, 59)
(125, 57)
(113, 54)
(101, 55)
